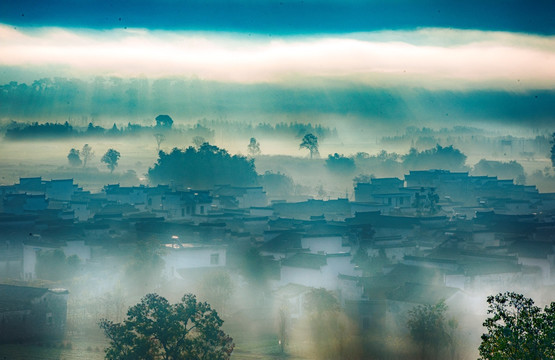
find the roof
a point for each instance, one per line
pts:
(13, 297)
(282, 242)
(421, 294)
(305, 260)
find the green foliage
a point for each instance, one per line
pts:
(503, 170)
(74, 158)
(276, 184)
(203, 168)
(110, 158)
(340, 164)
(428, 329)
(426, 200)
(54, 265)
(156, 329)
(254, 147)
(164, 121)
(439, 157)
(310, 142)
(320, 300)
(36, 130)
(332, 334)
(518, 329)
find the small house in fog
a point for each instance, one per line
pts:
(32, 313)
(24, 203)
(181, 258)
(60, 189)
(32, 248)
(317, 270)
(245, 197)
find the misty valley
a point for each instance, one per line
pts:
(214, 239)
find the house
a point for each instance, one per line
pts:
(60, 189)
(32, 248)
(365, 192)
(22, 203)
(186, 204)
(32, 313)
(317, 270)
(246, 197)
(293, 297)
(180, 258)
(324, 244)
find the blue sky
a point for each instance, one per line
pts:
(284, 17)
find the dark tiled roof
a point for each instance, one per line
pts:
(305, 260)
(13, 298)
(421, 294)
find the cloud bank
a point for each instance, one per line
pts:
(434, 59)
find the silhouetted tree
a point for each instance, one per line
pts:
(203, 168)
(340, 164)
(110, 158)
(156, 329)
(114, 130)
(87, 153)
(54, 265)
(276, 184)
(427, 327)
(310, 142)
(164, 121)
(518, 329)
(159, 139)
(284, 320)
(198, 141)
(320, 300)
(426, 200)
(73, 157)
(331, 331)
(504, 170)
(95, 130)
(254, 147)
(435, 158)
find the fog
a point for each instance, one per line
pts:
(344, 192)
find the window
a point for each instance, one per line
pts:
(214, 259)
(182, 212)
(202, 209)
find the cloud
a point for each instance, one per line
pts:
(440, 59)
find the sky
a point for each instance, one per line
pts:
(494, 54)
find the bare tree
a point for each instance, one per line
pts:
(254, 147)
(160, 138)
(87, 154)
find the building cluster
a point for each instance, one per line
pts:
(435, 235)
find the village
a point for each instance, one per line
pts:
(433, 236)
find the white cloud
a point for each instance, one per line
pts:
(429, 58)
